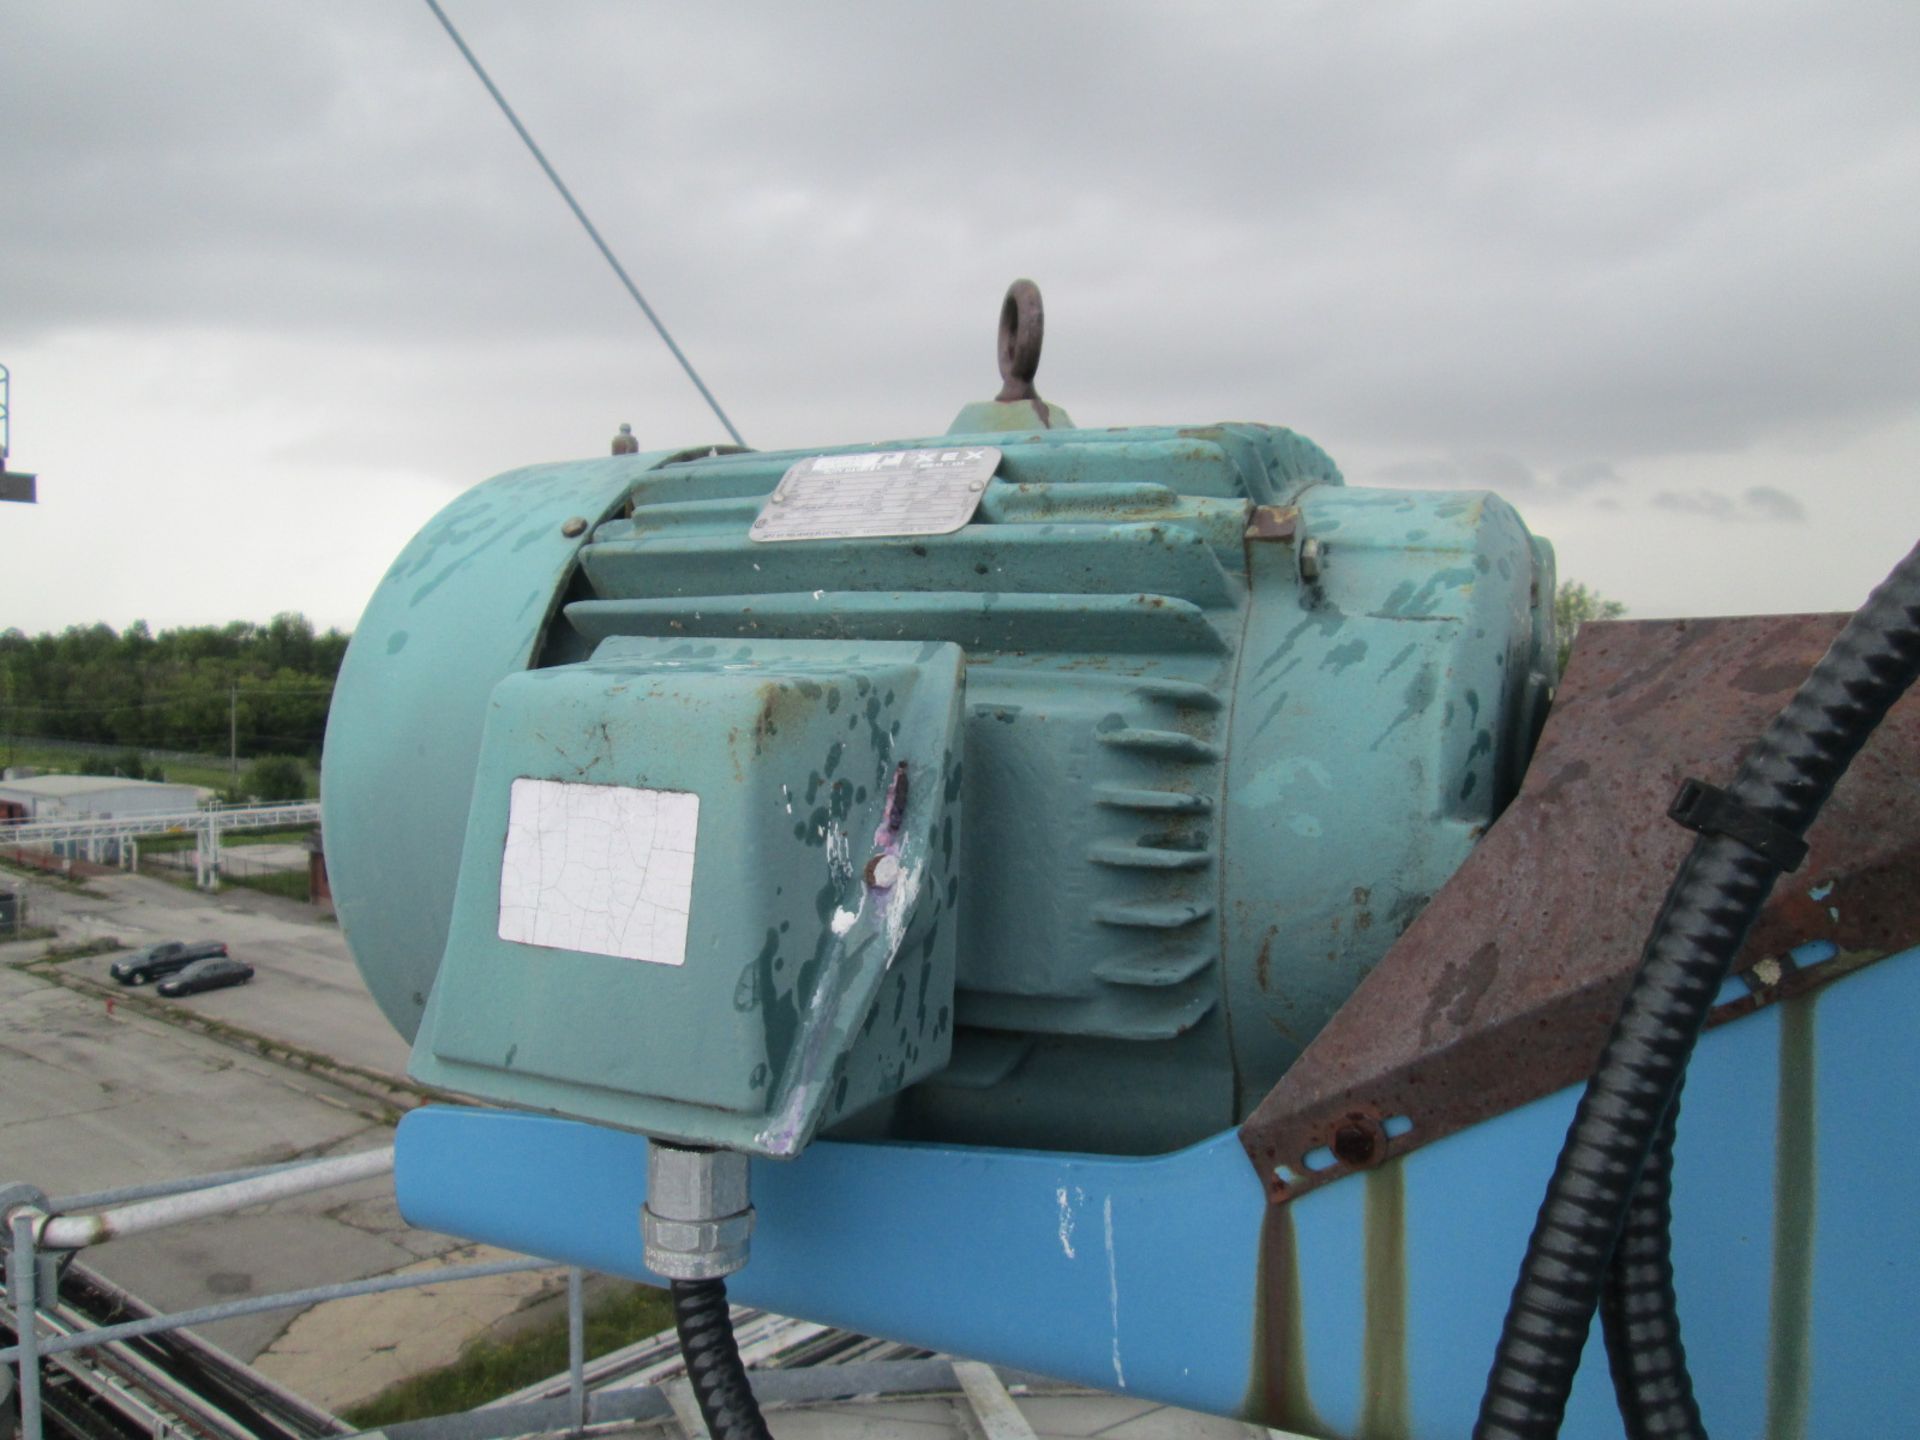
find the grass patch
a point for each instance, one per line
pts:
(489, 1369)
(291, 884)
(210, 771)
(60, 954)
(27, 932)
(296, 836)
(165, 843)
(175, 875)
(229, 839)
(175, 844)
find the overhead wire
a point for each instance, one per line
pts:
(581, 215)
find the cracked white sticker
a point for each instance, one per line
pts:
(604, 869)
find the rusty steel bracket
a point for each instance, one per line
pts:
(1504, 987)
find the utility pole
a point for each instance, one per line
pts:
(14, 484)
(233, 741)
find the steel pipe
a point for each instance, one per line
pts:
(76, 1232)
(286, 1300)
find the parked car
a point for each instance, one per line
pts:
(214, 974)
(167, 958)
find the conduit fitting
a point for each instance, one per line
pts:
(697, 1221)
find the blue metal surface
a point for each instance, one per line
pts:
(1141, 1273)
(1380, 722)
(465, 603)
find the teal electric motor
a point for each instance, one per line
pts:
(1025, 786)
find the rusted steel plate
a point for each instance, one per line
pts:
(1504, 987)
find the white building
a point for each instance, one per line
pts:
(94, 797)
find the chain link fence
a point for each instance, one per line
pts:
(278, 866)
(16, 912)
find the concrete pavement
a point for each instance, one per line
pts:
(324, 1355)
(92, 1100)
(307, 992)
(95, 1096)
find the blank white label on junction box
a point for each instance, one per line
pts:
(604, 869)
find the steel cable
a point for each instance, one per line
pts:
(581, 215)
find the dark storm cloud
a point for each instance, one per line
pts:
(1505, 473)
(1587, 476)
(1758, 502)
(1581, 237)
(1595, 481)
(1768, 502)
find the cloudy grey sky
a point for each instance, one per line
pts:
(276, 281)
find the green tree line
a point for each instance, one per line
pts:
(1573, 605)
(179, 689)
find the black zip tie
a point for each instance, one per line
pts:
(1709, 810)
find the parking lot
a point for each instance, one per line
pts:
(307, 992)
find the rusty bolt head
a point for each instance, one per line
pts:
(1358, 1142)
(573, 526)
(1310, 560)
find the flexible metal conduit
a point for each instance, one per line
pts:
(1712, 904)
(719, 1380)
(1638, 1314)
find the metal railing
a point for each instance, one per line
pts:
(629, 1387)
(119, 835)
(41, 1230)
(283, 815)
